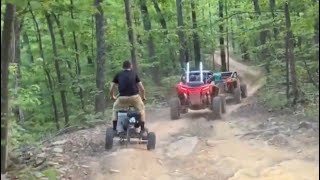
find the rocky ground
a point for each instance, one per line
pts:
(249, 142)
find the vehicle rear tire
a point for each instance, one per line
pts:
(217, 107)
(175, 108)
(244, 91)
(109, 139)
(237, 95)
(223, 103)
(151, 144)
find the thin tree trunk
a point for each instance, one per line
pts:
(316, 32)
(57, 67)
(100, 102)
(211, 33)
(27, 43)
(263, 36)
(272, 4)
(290, 55)
(137, 23)
(78, 67)
(196, 39)
(310, 75)
(7, 55)
(245, 56)
(180, 33)
(63, 40)
(90, 59)
(221, 39)
(163, 24)
(227, 33)
(131, 34)
(45, 69)
(17, 60)
(150, 43)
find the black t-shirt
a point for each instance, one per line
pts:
(127, 83)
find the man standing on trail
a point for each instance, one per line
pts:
(129, 85)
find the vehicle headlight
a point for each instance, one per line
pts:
(132, 120)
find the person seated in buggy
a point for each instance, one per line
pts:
(129, 86)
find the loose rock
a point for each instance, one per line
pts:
(114, 171)
(305, 124)
(279, 139)
(58, 150)
(59, 142)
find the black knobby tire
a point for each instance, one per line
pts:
(109, 139)
(217, 107)
(223, 103)
(175, 108)
(221, 87)
(151, 144)
(237, 95)
(244, 91)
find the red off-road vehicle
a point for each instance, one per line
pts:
(195, 92)
(230, 85)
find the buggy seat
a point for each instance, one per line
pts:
(195, 83)
(217, 77)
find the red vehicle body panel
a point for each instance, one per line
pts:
(195, 96)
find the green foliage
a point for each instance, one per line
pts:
(32, 94)
(274, 99)
(49, 173)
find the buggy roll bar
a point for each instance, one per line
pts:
(188, 71)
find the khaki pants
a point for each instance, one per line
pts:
(123, 102)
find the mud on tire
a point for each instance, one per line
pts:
(174, 108)
(151, 144)
(109, 139)
(237, 95)
(217, 107)
(244, 91)
(223, 103)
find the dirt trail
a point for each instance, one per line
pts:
(195, 148)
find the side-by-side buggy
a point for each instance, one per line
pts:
(195, 92)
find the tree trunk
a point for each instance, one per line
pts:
(272, 4)
(227, 34)
(221, 39)
(290, 55)
(137, 23)
(63, 40)
(211, 33)
(17, 60)
(131, 34)
(262, 36)
(100, 102)
(57, 67)
(90, 58)
(245, 56)
(316, 31)
(45, 69)
(78, 67)
(150, 43)
(7, 55)
(196, 39)
(163, 24)
(182, 41)
(27, 43)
